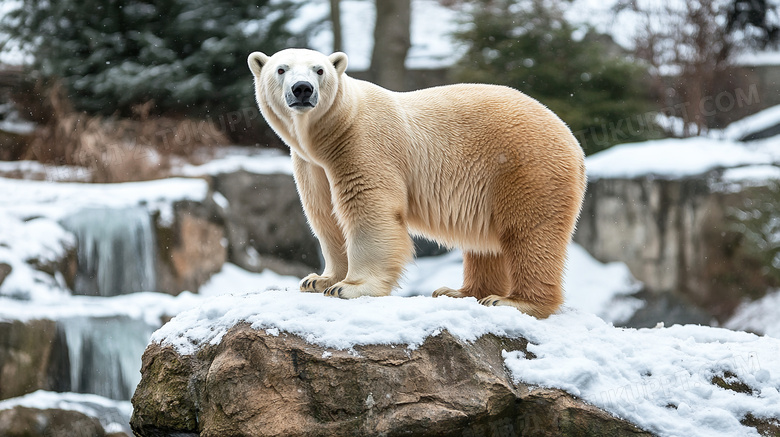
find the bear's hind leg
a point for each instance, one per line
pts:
(483, 275)
(536, 263)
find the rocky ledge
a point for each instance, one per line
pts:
(285, 363)
(258, 383)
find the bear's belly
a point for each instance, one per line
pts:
(472, 234)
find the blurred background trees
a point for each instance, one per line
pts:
(186, 57)
(181, 54)
(584, 77)
(689, 47)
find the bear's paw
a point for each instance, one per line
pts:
(447, 291)
(539, 311)
(315, 283)
(351, 290)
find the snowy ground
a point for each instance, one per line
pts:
(760, 316)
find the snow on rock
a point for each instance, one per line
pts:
(234, 279)
(266, 161)
(756, 59)
(751, 124)
(147, 306)
(48, 172)
(659, 379)
(113, 415)
(760, 316)
(676, 158)
(733, 180)
(30, 212)
(41, 240)
(24, 199)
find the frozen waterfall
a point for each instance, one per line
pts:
(116, 251)
(105, 354)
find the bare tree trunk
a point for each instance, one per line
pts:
(391, 42)
(335, 19)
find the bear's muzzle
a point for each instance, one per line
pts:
(301, 95)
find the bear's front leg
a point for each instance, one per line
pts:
(372, 214)
(314, 189)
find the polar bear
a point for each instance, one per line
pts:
(481, 167)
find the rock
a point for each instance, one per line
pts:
(190, 249)
(13, 145)
(66, 265)
(32, 422)
(680, 237)
(5, 270)
(264, 223)
(33, 355)
(257, 384)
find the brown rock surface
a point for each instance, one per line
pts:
(685, 238)
(257, 384)
(265, 224)
(32, 422)
(5, 270)
(31, 357)
(190, 250)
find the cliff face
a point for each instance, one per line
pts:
(265, 383)
(687, 238)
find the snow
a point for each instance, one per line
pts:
(760, 316)
(659, 379)
(734, 180)
(751, 174)
(753, 123)
(23, 199)
(113, 415)
(597, 288)
(234, 279)
(39, 239)
(264, 161)
(678, 158)
(756, 59)
(35, 170)
(634, 374)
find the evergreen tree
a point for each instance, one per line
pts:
(187, 55)
(529, 46)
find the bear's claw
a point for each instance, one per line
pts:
(316, 284)
(334, 291)
(492, 301)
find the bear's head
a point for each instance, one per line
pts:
(296, 81)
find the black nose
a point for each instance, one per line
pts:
(302, 91)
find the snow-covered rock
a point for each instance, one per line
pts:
(269, 382)
(314, 353)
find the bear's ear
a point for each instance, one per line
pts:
(339, 60)
(256, 61)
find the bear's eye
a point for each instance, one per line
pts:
(280, 71)
(320, 71)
